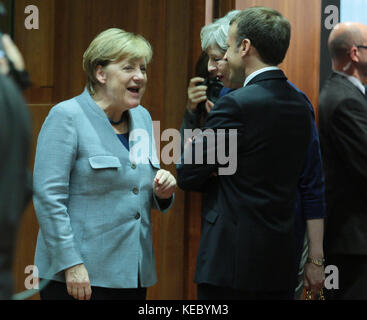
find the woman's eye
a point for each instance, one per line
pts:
(128, 68)
(215, 59)
(143, 69)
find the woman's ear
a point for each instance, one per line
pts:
(101, 75)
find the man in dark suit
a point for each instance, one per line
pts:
(247, 245)
(343, 137)
(15, 133)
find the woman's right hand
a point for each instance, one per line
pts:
(196, 93)
(77, 282)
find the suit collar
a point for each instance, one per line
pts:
(356, 82)
(267, 75)
(86, 98)
(344, 78)
(88, 104)
(257, 72)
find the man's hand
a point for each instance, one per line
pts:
(77, 282)
(164, 184)
(314, 277)
(196, 93)
(209, 106)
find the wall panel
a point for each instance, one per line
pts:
(28, 229)
(38, 44)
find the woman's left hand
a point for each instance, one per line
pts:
(164, 184)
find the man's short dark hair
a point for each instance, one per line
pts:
(268, 31)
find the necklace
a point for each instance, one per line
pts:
(120, 121)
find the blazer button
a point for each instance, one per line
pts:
(133, 166)
(136, 191)
(137, 217)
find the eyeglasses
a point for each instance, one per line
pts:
(361, 46)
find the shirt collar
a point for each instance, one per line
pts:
(356, 82)
(254, 74)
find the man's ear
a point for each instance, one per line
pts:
(353, 54)
(101, 75)
(245, 47)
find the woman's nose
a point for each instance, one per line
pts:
(212, 67)
(139, 75)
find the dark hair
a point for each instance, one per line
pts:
(268, 31)
(214, 85)
(201, 68)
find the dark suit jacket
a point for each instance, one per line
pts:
(15, 187)
(343, 136)
(248, 233)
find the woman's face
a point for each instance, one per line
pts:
(217, 66)
(125, 82)
(215, 56)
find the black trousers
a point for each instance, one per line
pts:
(57, 291)
(352, 277)
(211, 292)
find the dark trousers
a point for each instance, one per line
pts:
(57, 291)
(210, 292)
(352, 277)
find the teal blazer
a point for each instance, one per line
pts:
(93, 202)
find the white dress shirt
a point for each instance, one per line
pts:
(254, 74)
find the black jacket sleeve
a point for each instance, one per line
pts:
(209, 151)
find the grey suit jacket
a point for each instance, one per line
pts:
(93, 203)
(343, 136)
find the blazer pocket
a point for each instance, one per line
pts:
(104, 162)
(211, 216)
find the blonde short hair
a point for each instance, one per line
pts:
(110, 46)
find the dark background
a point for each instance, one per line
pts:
(325, 62)
(6, 21)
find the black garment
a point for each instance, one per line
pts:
(352, 280)
(15, 185)
(58, 291)
(21, 78)
(210, 292)
(343, 137)
(248, 236)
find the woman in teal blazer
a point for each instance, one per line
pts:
(96, 177)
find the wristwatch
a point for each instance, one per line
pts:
(315, 261)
